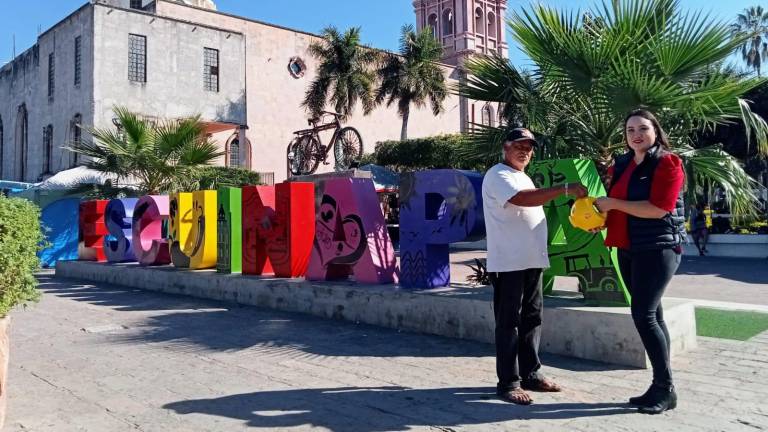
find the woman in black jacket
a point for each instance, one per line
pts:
(646, 223)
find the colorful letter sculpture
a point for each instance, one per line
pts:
(203, 235)
(180, 223)
(437, 207)
(229, 231)
(92, 231)
(149, 244)
(574, 252)
(119, 217)
(60, 220)
(256, 200)
(278, 228)
(350, 235)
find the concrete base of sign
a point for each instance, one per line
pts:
(594, 333)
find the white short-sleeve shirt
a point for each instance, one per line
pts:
(516, 236)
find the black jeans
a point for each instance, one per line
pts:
(517, 306)
(647, 274)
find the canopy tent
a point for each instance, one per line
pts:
(61, 185)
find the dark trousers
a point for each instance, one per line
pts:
(517, 306)
(647, 274)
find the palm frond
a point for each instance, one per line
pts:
(754, 125)
(711, 166)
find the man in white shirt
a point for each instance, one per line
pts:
(517, 254)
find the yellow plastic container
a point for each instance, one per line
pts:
(584, 214)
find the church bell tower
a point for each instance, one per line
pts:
(465, 27)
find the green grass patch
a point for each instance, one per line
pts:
(726, 324)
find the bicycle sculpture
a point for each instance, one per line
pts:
(306, 150)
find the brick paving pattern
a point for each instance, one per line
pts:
(106, 358)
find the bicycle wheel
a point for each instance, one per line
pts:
(348, 148)
(306, 156)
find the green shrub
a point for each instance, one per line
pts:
(420, 154)
(214, 177)
(751, 226)
(20, 239)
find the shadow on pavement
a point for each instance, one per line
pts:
(383, 408)
(117, 297)
(748, 270)
(192, 324)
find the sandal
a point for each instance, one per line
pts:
(542, 385)
(516, 396)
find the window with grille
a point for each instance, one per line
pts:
(234, 153)
(136, 4)
(486, 116)
(48, 148)
(211, 69)
(78, 59)
(77, 136)
(51, 75)
(22, 141)
(137, 58)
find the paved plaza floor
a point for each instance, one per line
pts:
(107, 358)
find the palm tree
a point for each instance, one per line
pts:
(413, 77)
(644, 53)
(153, 156)
(345, 72)
(752, 23)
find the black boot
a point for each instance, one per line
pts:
(661, 399)
(643, 399)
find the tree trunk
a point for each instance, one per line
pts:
(603, 161)
(404, 130)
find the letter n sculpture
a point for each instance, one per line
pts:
(573, 252)
(149, 244)
(92, 231)
(278, 228)
(350, 234)
(437, 207)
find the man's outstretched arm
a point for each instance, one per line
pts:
(537, 197)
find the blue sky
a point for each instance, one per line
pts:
(380, 19)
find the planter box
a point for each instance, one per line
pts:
(732, 245)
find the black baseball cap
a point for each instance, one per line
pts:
(521, 134)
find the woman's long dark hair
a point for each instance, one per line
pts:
(661, 136)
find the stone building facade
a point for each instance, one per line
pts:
(170, 59)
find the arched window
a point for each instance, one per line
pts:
(432, 23)
(233, 153)
(21, 143)
(486, 116)
(2, 147)
(76, 137)
(47, 149)
(447, 22)
(479, 26)
(492, 25)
